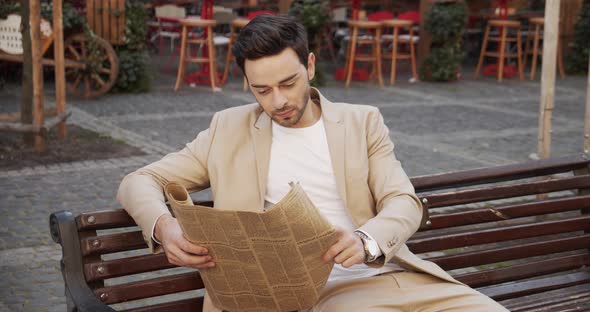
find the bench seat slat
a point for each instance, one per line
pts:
(524, 270)
(96, 271)
(525, 288)
(186, 305)
(103, 244)
(150, 288)
(507, 191)
(508, 212)
(500, 173)
(546, 298)
(478, 236)
(475, 258)
(565, 303)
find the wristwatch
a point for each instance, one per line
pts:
(371, 246)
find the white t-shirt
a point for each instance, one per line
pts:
(302, 155)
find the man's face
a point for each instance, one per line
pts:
(280, 84)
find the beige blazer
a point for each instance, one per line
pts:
(232, 158)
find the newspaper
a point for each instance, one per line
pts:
(267, 261)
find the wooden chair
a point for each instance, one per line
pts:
(503, 27)
(372, 38)
(537, 23)
(395, 38)
(167, 17)
(235, 25)
(207, 27)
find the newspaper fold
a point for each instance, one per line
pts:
(267, 261)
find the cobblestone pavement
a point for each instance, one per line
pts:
(436, 127)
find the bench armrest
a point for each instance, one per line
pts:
(79, 296)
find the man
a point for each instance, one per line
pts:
(342, 156)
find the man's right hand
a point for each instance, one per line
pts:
(178, 249)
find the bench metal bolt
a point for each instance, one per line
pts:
(425, 201)
(91, 219)
(104, 296)
(100, 270)
(96, 243)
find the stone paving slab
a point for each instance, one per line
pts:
(436, 127)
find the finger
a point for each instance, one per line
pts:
(207, 265)
(191, 260)
(345, 254)
(333, 251)
(192, 248)
(355, 259)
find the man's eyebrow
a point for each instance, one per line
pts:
(282, 81)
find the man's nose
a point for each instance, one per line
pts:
(279, 100)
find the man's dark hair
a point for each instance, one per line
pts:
(267, 35)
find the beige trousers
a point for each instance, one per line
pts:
(402, 291)
(398, 292)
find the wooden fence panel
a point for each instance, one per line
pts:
(107, 19)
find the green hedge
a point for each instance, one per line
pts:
(577, 59)
(445, 21)
(134, 60)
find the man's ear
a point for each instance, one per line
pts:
(310, 66)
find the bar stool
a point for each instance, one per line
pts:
(207, 27)
(503, 26)
(235, 25)
(395, 38)
(372, 39)
(537, 23)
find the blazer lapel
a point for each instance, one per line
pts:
(336, 135)
(262, 138)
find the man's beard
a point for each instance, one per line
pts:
(298, 112)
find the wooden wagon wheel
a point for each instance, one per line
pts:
(101, 66)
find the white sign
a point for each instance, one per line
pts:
(11, 39)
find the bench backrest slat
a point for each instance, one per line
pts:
(150, 288)
(107, 219)
(510, 211)
(512, 232)
(186, 305)
(109, 243)
(112, 219)
(475, 258)
(507, 191)
(525, 270)
(501, 173)
(95, 271)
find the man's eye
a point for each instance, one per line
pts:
(263, 92)
(289, 85)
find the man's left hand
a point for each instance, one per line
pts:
(348, 250)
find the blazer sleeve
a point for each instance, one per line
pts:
(399, 210)
(141, 193)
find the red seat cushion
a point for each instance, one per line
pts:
(413, 16)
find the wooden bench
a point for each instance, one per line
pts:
(518, 233)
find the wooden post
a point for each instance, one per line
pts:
(548, 76)
(26, 102)
(284, 6)
(425, 37)
(58, 50)
(38, 110)
(587, 119)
